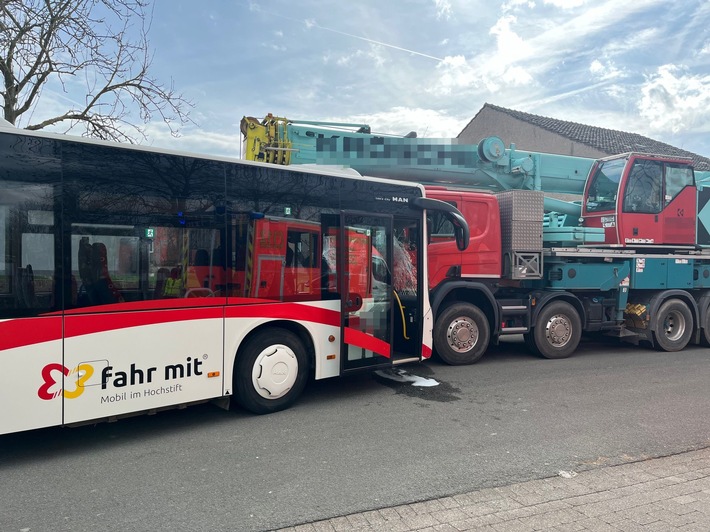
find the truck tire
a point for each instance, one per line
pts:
(529, 339)
(558, 329)
(673, 326)
(270, 372)
(461, 334)
(705, 332)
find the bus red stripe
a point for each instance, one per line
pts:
(21, 332)
(96, 323)
(288, 311)
(364, 340)
(28, 331)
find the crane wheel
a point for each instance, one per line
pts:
(557, 331)
(673, 326)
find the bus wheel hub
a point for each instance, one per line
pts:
(275, 371)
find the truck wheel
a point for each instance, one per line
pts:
(705, 337)
(461, 334)
(557, 331)
(529, 339)
(271, 371)
(673, 326)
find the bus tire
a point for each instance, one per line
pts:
(271, 371)
(557, 331)
(673, 326)
(461, 334)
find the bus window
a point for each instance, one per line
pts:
(27, 250)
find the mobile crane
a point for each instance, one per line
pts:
(630, 259)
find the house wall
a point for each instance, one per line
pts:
(489, 122)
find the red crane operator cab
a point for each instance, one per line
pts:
(642, 200)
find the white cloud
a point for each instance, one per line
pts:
(376, 55)
(342, 59)
(524, 53)
(430, 123)
(604, 71)
(509, 44)
(581, 33)
(673, 99)
(512, 4)
(443, 9)
(565, 4)
(195, 140)
(488, 72)
(454, 74)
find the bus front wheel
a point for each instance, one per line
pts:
(271, 371)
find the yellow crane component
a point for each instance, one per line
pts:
(267, 140)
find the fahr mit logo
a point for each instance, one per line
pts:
(80, 378)
(119, 379)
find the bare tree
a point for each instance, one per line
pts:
(102, 43)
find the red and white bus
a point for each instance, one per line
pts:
(134, 280)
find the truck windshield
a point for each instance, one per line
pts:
(604, 186)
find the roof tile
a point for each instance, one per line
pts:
(609, 141)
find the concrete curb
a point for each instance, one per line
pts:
(661, 494)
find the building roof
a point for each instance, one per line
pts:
(609, 141)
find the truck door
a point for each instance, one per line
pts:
(366, 301)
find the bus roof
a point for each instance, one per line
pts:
(310, 169)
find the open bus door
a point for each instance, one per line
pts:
(366, 325)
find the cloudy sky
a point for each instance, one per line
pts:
(641, 66)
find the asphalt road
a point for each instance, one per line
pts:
(359, 443)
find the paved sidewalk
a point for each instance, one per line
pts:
(662, 494)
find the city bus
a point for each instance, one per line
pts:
(134, 280)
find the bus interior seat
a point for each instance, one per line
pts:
(161, 278)
(103, 286)
(202, 258)
(26, 287)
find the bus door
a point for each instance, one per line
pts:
(366, 302)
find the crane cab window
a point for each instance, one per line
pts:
(678, 176)
(653, 185)
(644, 187)
(605, 185)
